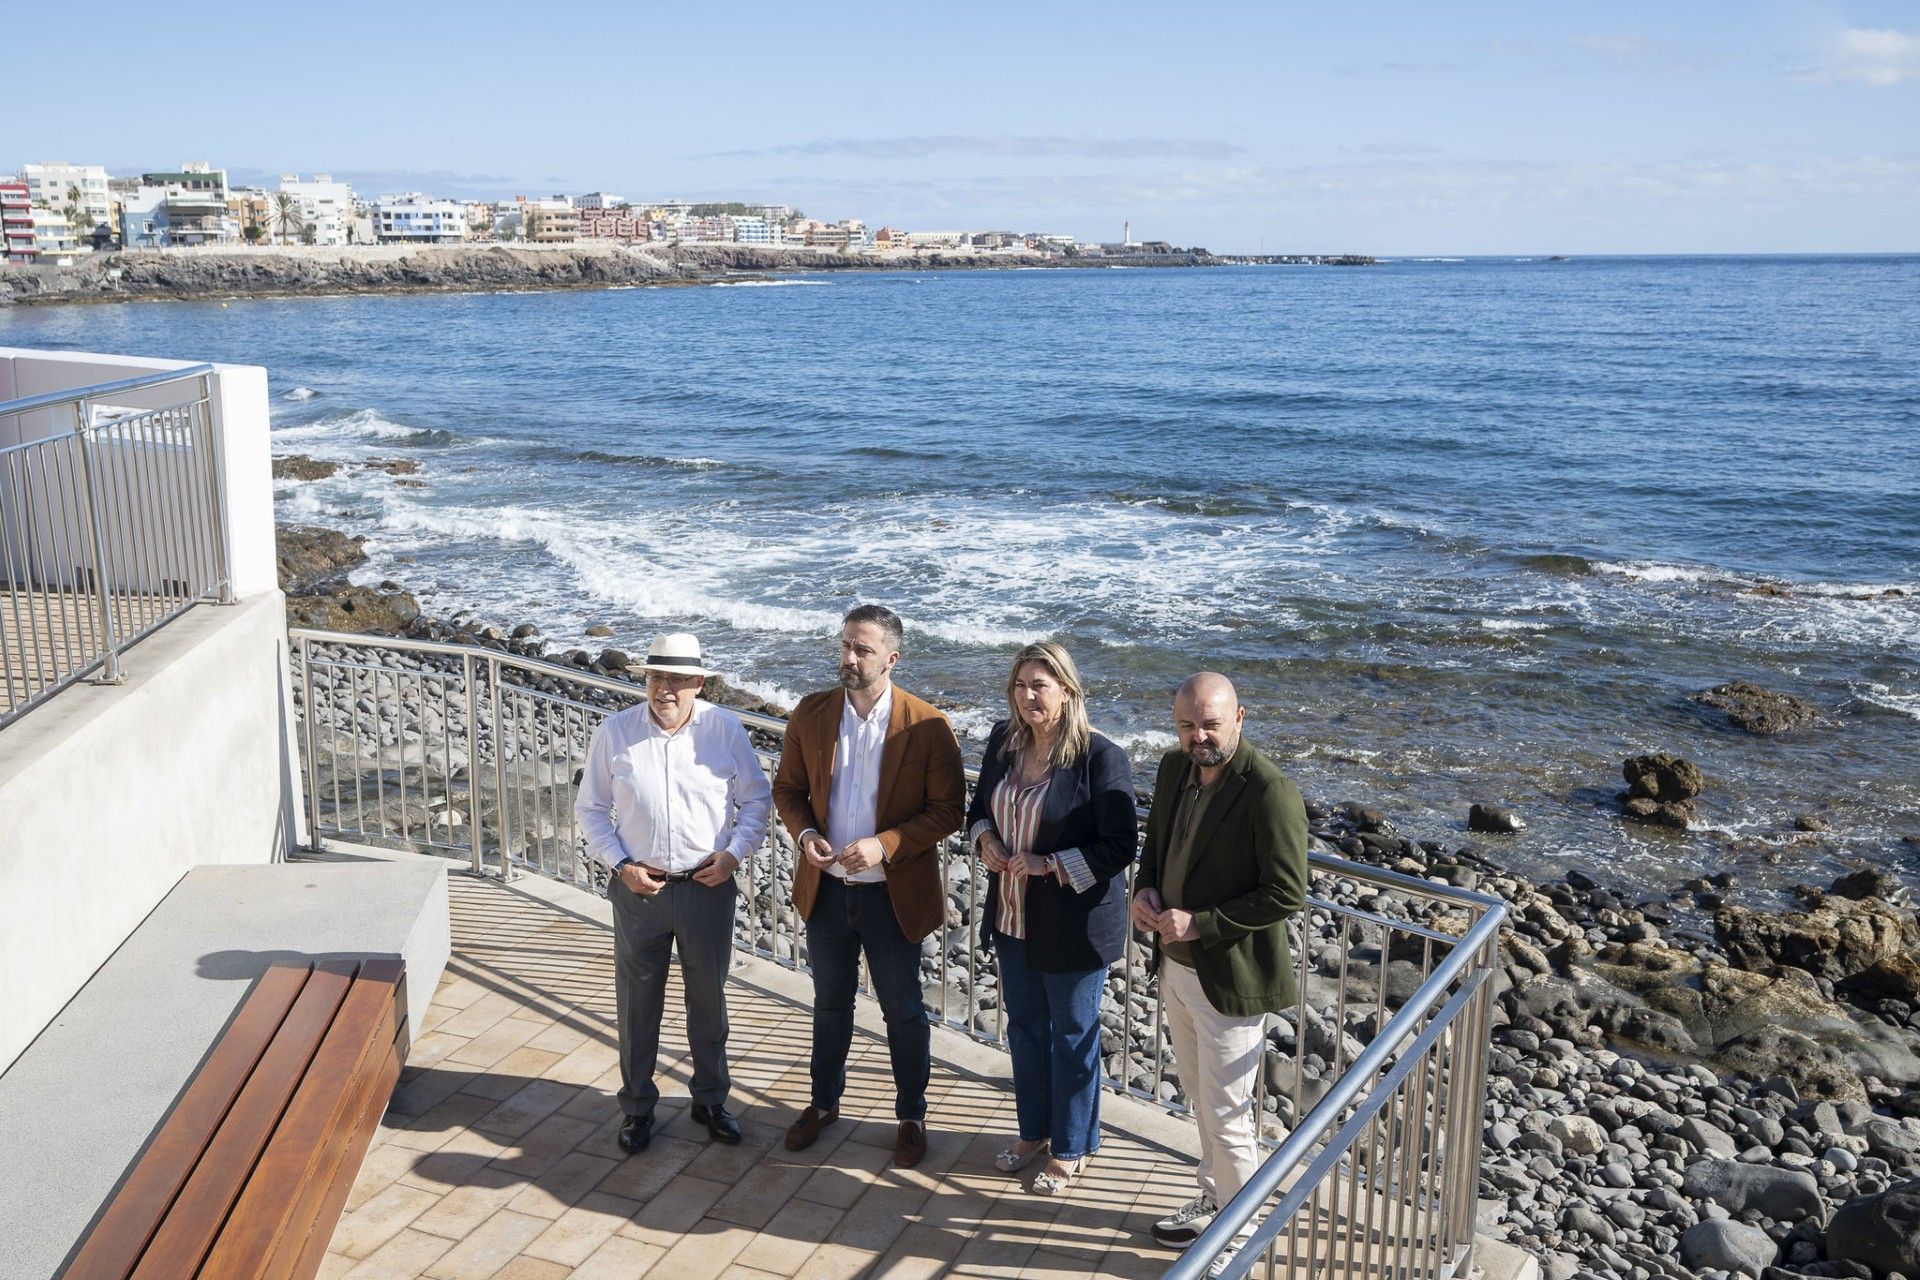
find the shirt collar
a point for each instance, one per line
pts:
(881, 714)
(652, 726)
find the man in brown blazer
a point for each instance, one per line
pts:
(869, 783)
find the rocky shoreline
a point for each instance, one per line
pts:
(278, 273)
(1679, 1085)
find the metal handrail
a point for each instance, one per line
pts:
(1412, 1045)
(108, 531)
(101, 390)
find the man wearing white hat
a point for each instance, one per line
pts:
(673, 800)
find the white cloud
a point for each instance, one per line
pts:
(1877, 56)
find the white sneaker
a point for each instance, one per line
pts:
(1184, 1225)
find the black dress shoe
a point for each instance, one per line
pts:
(722, 1126)
(636, 1133)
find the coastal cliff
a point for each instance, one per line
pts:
(301, 271)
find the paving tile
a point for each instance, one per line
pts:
(382, 1167)
(496, 1042)
(488, 1247)
(436, 1127)
(559, 1038)
(837, 1262)
(480, 1016)
(620, 1258)
(557, 1188)
(641, 1177)
(380, 1219)
(525, 1268)
(704, 1251)
(789, 1238)
(920, 1253)
(526, 1062)
(672, 1212)
(879, 1216)
(759, 1194)
(852, 1169)
(406, 1255)
(576, 1233)
(464, 1209)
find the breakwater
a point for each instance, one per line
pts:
(280, 272)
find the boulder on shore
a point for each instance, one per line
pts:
(1868, 948)
(309, 555)
(1494, 818)
(299, 466)
(364, 610)
(1879, 1231)
(1660, 789)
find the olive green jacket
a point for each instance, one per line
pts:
(1249, 873)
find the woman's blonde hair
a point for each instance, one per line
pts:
(1075, 733)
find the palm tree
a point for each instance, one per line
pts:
(76, 213)
(286, 215)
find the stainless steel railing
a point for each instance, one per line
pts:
(111, 526)
(1370, 1091)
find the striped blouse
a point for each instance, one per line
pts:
(1016, 814)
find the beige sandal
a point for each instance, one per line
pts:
(1013, 1160)
(1049, 1183)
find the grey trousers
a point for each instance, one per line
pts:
(699, 920)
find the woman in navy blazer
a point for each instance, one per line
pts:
(1053, 819)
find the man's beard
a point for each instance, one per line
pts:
(852, 680)
(1209, 757)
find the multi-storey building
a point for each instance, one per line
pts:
(830, 237)
(53, 235)
(16, 221)
(613, 224)
(413, 218)
(184, 207)
(325, 206)
(936, 239)
(53, 184)
(550, 222)
(705, 229)
(760, 232)
(600, 200)
(252, 211)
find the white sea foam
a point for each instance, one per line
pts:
(1501, 625)
(1907, 704)
(361, 424)
(301, 393)
(1652, 571)
(768, 284)
(1144, 741)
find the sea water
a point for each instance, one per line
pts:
(1459, 530)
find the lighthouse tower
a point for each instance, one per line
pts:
(1126, 232)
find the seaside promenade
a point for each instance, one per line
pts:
(497, 1157)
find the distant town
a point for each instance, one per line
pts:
(54, 211)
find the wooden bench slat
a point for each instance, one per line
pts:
(304, 1262)
(118, 1238)
(199, 1212)
(305, 1151)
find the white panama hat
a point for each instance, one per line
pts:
(677, 653)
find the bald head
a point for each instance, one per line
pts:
(1207, 716)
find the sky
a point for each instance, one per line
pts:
(1386, 128)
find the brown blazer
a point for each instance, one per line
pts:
(922, 798)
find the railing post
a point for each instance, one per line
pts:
(313, 754)
(90, 466)
(217, 469)
(473, 760)
(500, 766)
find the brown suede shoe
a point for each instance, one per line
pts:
(909, 1144)
(806, 1130)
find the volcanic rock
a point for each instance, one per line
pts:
(1492, 817)
(309, 555)
(299, 466)
(1880, 1231)
(1757, 710)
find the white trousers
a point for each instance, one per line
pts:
(1218, 1057)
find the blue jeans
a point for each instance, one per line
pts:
(1053, 1035)
(848, 919)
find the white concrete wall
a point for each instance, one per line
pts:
(108, 795)
(240, 414)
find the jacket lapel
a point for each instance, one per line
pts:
(829, 750)
(1232, 783)
(890, 754)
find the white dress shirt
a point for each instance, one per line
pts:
(853, 804)
(670, 801)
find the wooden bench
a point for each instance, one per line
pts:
(248, 1173)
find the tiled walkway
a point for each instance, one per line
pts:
(497, 1157)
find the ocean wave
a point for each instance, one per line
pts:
(1653, 571)
(367, 425)
(1557, 563)
(300, 393)
(1145, 741)
(1187, 506)
(768, 284)
(1907, 704)
(1501, 625)
(649, 460)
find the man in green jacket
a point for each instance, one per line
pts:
(1223, 866)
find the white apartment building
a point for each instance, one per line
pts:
(325, 205)
(49, 183)
(414, 218)
(757, 231)
(937, 239)
(52, 236)
(599, 200)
